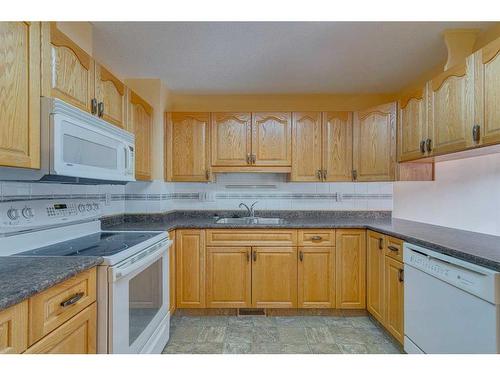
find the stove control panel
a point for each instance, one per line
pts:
(18, 216)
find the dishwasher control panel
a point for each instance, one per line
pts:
(479, 281)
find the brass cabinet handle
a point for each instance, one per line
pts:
(318, 173)
(324, 174)
(316, 238)
(253, 159)
(248, 256)
(301, 256)
(72, 300)
(422, 146)
(476, 133)
(381, 243)
(254, 255)
(393, 248)
(93, 106)
(207, 174)
(428, 144)
(401, 275)
(100, 109)
(354, 174)
(249, 161)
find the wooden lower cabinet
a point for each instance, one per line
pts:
(375, 260)
(274, 277)
(171, 275)
(229, 277)
(394, 296)
(76, 336)
(14, 329)
(190, 268)
(316, 277)
(350, 278)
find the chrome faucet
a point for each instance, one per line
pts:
(251, 211)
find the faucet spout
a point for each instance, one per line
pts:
(250, 210)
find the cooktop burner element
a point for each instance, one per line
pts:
(97, 244)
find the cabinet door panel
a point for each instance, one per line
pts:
(14, 329)
(20, 94)
(111, 92)
(187, 141)
(375, 259)
(228, 277)
(394, 294)
(231, 139)
(271, 138)
(316, 270)
(141, 123)
(451, 102)
(190, 270)
(68, 70)
(306, 146)
(350, 286)
(274, 277)
(172, 273)
(374, 156)
(412, 124)
(337, 146)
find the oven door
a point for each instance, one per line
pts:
(138, 299)
(96, 151)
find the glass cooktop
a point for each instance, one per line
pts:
(97, 244)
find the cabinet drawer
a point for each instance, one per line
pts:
(394, 248)
(51, 308)
(76, 336)
(251, 237)
(316, 237)
(14, 329)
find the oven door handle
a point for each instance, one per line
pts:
(138, 261)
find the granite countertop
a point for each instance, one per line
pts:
(23, 277)
(477, 248)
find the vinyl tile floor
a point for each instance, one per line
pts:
(278, 335)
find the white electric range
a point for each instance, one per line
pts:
(132, 282)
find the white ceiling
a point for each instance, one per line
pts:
(274, 57)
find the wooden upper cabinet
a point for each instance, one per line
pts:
(375, 259)
(20, 94)
(487, 91)
(306, 146)
(374, 154)
(451, 109)
(140, 122)
(67, 70)
(337, 146)
(350, 265)
(272, 138)
(229, 277)
(110, 94)
(231, 139)
(412, 125)
(316, 277)
(187, 146)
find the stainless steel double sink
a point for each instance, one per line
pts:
(251, 220)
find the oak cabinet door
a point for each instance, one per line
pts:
(374, 157)
(20, 94)
(67, 70)
(171, 275)
(337, 146)
(272, 138)
(76, 336)
(451, 107)
(316, 271)
(229, 278)
(306, 146)
(274, 277)
(110, 94)
(375, 259)
(487, 63)
(412, 125)
(394, 294)
(231, 139)
(350, 285)
(190, 268)
(14, 328)
(141, 124)
(187, 143)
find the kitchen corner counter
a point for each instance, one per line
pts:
(477, 248)
(22, 277)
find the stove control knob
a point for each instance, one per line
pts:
(89, 206)
(27, 213)
(81, 207)
(13, 214)
(95, 206)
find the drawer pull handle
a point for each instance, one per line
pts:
(72, 300)
(380, 243)
(316, 238)
(393, 248)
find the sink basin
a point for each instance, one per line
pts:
(250, 220)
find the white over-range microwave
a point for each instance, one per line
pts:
(77, 147)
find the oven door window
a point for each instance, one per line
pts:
(145, 299)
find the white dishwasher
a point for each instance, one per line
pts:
(450, 306)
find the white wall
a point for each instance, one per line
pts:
(465, 195)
